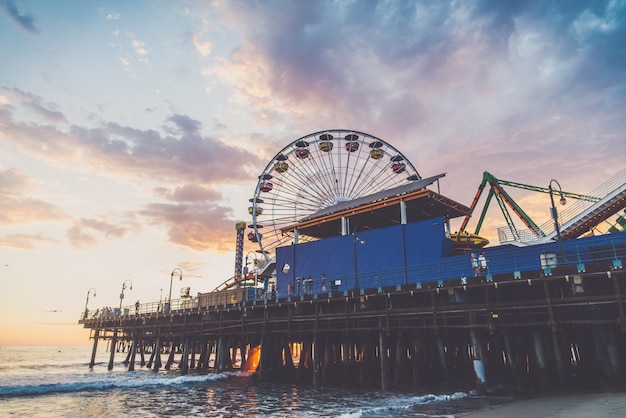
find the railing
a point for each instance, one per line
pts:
(143, 308)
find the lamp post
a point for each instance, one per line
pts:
(356, 273)
(246, 270)
(553, 211)
(87, 301)
(122, 293)
(180, 274)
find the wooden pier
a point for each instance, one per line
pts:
(527, 331)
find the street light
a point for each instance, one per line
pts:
(553, 211)
(246, 270)
(122, 294)
(180, 274)
(361, 241)
(87, 301)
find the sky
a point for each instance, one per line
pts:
(132, 134)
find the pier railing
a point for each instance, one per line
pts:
(143, 308)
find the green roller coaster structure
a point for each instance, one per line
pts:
(504, 199)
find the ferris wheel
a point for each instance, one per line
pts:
(317, 171)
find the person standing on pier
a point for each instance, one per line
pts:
(323, 283)
(475, 265)
(137, 305)
(309, 285)
(482, 262)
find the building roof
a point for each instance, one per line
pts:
(381, 209)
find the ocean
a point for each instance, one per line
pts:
(57, 382)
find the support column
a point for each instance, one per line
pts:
(151, 359)
(327, 365)
(219, 355)
(477, 352)
(512, 362)
(441, 351)
(415, 355)
(557, 358)
(112, 349)
(142, 352)
(400, 360)
(384, 360)
(127, 359)
(289, 366)
(306, 358)
(613, 355)
(209, 351)
(540, 356)
(316, 359)
(184, 361)
(192, 360)
(347, 359)
(243, 354)
(133, 352)
(170, 358)
(203, 360)
(94, 349)
(606, 352)
(364, 372)
(157, 356)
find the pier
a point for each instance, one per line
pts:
(528, 331)
(368, 286)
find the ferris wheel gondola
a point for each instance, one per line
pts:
(317, 171)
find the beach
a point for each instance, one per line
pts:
(605, 404)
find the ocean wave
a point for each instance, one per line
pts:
(407, 404)
(106, 384)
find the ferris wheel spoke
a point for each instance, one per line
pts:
(322, 172)
(303, 174)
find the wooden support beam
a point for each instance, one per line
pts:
(92, 362)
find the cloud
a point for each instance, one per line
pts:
(203, 46)
(78, 238)
(181, 153)
(125, 62)
(140, 49)
(525, 90)
(196, 220)
(23, 241)
(109, 14)
(190, 193)
(47, 111)
(81, 233)
(16, 207)
(201, 226)
(23, 20)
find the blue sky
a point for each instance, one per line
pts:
(132, 133)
